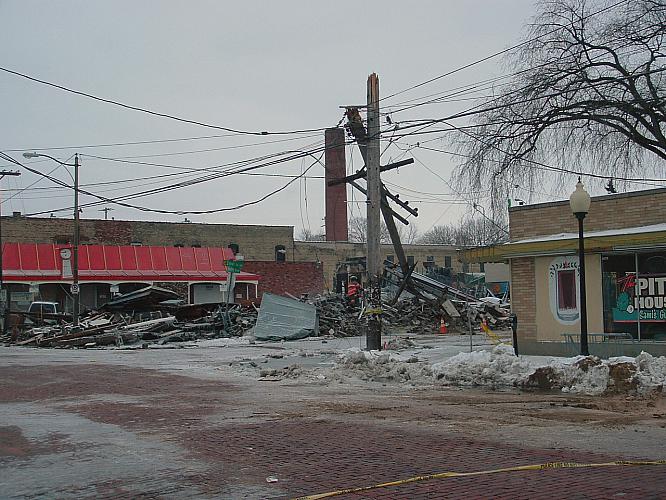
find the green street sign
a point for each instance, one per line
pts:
(233, 266)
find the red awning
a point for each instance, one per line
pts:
(43, 262)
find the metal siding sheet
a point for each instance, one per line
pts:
(29, 262)
(96, 258)
(112, 254)
(159, 259)
(228, 254)
(187, 258)
(216, 259)
(202, 259)
(143, 259)
(10, 256)
(28, 256)
(46, 254)
(84, 261)
(128, 258)
(282, 318)
(173, 259)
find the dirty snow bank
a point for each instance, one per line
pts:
(380, 367)
(496, 368)
(579, 375)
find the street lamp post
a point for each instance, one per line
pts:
(7, 298)
(580, 206)
(75, 243)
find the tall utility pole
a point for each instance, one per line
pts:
(374, 336)
(75, 250)
(7, 297)
(106, 212)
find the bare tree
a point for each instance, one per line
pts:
(309, 235)
(470, 231)
(358, 230)
(408, 234)
(588, 94)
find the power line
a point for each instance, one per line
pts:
(114, 144)
(206, 178)
(149, 177)
(544, 166)
(496, 54)
(470, 89)
(156, 113)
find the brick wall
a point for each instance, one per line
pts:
(255, 242)
(523, 296)
(638, 208)
(293, 277)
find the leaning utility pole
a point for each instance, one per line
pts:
(374, 336)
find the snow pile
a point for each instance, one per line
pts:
(226, 342)
(380, 367)
(580, 375)
(651, 373)
(496, 368)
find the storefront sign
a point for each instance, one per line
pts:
(641, 298)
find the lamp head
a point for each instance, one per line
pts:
(30, 154)
(580, 200)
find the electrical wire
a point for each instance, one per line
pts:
(156, 113)
(141, 143)
(118, 201)
(496, 54)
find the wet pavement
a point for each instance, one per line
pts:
(198, 423)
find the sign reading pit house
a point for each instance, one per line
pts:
(641, 298)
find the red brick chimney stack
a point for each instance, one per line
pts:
(336, 196)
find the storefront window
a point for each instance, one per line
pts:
(634, 293)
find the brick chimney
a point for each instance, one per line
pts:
(336, 196)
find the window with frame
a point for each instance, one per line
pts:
(447, 261)
(566, 289)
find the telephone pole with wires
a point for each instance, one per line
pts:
(106, 211)
(374, 264)
(377, 198)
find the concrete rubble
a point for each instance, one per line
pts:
(155, 316)
(413, 315)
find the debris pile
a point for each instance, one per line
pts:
(142, 316)
(154, 315)
(413, 315)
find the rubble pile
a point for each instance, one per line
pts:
(135, 318)
(153, 315)
(413, 315)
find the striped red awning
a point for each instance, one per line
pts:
(43, 262)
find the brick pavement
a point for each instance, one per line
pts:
(202, 443)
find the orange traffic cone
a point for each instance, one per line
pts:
(442, 326)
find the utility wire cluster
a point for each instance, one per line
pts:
(397, 132)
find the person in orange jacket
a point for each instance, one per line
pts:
(354, 292)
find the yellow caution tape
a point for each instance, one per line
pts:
(491, 335)
(440, 475)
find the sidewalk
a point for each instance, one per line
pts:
(182, 423)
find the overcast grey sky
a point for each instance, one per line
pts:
(245, 65)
